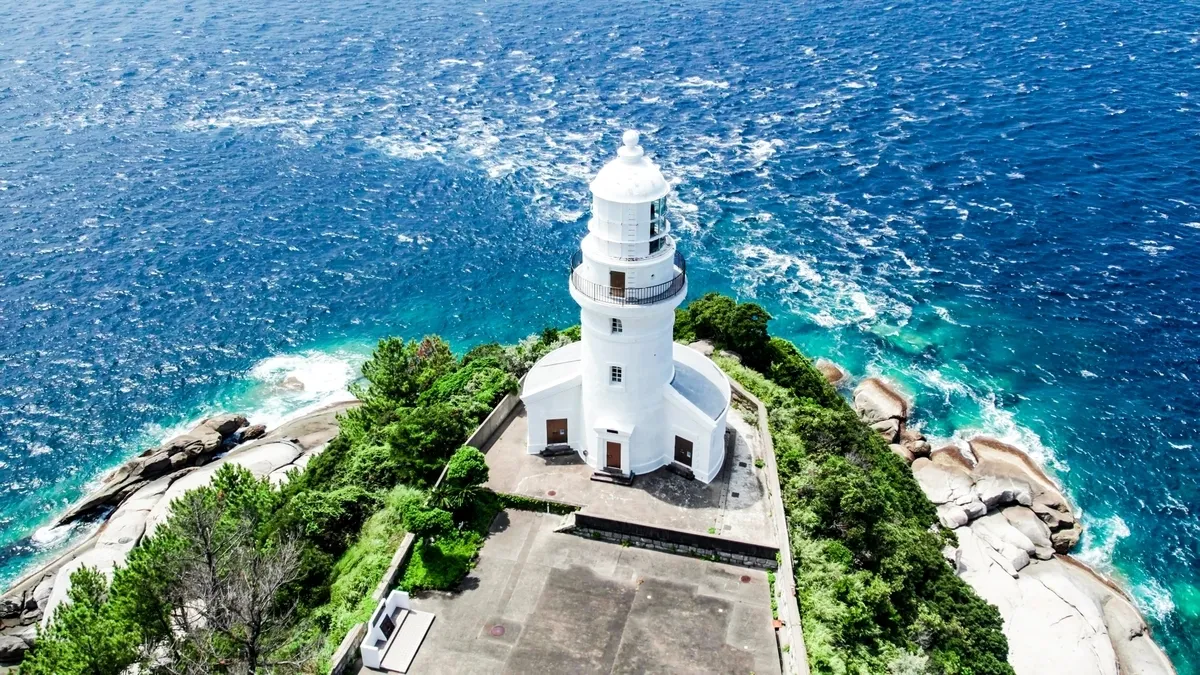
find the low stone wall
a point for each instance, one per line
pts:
(667, 540)
(793, 657)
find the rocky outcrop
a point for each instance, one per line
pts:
(1014, 527)
(832, 372)
(139, 495)
(198, 446)
(882, 407)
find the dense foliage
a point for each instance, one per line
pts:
(875, 594)
(247, 577)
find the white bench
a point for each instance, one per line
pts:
(394, 634)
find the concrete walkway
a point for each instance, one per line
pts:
(544, 602)
(735, 505)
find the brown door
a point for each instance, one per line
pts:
(683, 451)
(614, 455)
(617, 281)
(556, 431)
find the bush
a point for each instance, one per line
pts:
(427, 522)
(86, 636)
(466, 472)
(440, 565)
(875, 594)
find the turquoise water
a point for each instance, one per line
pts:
(996, 205)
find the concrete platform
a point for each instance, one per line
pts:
(734, 505)
(544, 602)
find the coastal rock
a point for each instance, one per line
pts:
(942, 484)
(952, 455)
(292, 383)
(917, 448)
(833, 373)
(877, 401)
(889, 429)
(252, 432)
(193, 448)
(911, 436)
(901, 452)
(11, 607)
(1065, 539)
(224, 425)
(952, 516)
(1028, 524)
(12, 648)
(996, 491)
(703, 346)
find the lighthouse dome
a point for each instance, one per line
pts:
(631, 178)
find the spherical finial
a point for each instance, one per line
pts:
(630, 139)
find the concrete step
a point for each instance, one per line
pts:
(557, 450)
(613, 477)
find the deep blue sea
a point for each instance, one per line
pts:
(997, 204)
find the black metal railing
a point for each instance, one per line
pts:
(647, 295)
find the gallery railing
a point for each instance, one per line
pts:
(647, 295)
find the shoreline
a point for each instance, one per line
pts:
(1016, 529)
(128, 504)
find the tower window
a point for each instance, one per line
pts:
(615, 375)
(617, 327)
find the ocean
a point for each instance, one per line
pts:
(995, 204)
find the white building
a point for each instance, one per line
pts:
(626, 397)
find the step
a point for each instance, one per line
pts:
(407, 641)
(681, 470)
(612, 477)
(556, 450)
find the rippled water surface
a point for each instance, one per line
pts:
(996, 203)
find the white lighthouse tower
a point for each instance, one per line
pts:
(626, 397)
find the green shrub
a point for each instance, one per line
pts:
(440, 565)
(86, 636)
(428, 522)
(466, 472)
(875, 594)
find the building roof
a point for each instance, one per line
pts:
(553, 369)
(700, 390)
(631, 178)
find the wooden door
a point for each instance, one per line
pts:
(556, 431)
(683, 451)
(613, 460)
(616, 281)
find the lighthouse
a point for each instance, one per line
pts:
(626, 397)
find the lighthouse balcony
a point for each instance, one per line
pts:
(629, 295)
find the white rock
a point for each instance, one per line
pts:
(952, 516)
(940, 483)
(1028, 524)
(876, 400)
(996, 491)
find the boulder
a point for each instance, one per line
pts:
(996, 491)
(911, 436)
(703, 346)
(225, 425)
(876, 401)
(11, 607)
(901, 452)
(952, 516)
(833, 373)
(889, 429)
(732, 356)
(292, 383)
(1064, 540)
(917, 448)
(942, 484)
(41, 593)
(252, 432)
(12, 648)
(1028, 524)
(27, 633)
(952, 455)
(1054, 517)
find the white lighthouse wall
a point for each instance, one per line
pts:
(642, 350)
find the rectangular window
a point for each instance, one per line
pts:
(617, 327)
(615, 375)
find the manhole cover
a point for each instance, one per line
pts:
(551, 493)
(497, 631)
(745, 580)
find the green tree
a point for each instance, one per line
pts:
(422, 439)
(85, 636)
(466, 472)
(399, 371)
